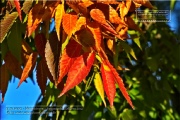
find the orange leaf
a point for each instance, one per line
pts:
(78, 71)
(145, 3)
(28, 67)
(108, 82)
(58, 18)
(120, 83)
(131, 24)
(81, 22)
(69, 23)
(41, 76)
(40, 42)
(34, 18)
(96, 32)
(4, 75)
(18, 8)
(70, 53)
(13, 65)
(124, 8)
(99, 16)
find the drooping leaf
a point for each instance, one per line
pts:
(14, 40)
(41, 76)
(128, 49)
(18, 8)
(78, 71)
(70, 53)
(96, 31)
(26, 51)
(26, 6)
(99, 86)
(132, 25)
(28, 67)
(52, 53)
(13, 65)
(119, 80)
(58, 18)
(124, 8)
(145, 3)
(34, 18)
(6, 24)
(40, 42)
(4, 75)
(69, 23)
(108, 82)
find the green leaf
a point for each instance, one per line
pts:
(172, 4)
(128, 49)
(137, 41)
(14, 40)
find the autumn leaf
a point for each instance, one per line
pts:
(80, 24)
(108, 82)
(120, 83)
(52, 53)
(40, 42)
(26, 6)
(69, 23)
(34, 18)
(145, 3)
(131, 24)
(13, 65)
(124, 8)
(41, 76)
(6, 24)
(70, 53)
(78, 71)
(99, 86)
(4, 80)
(58, 18)
(96, 32)
(28, 67)
(18, 8)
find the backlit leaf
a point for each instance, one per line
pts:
(108, 82)
(69, 23)
(58, 18)
(78, 71)
(95, 29)
(6, 24)
(27, 5)
(41, 76)
(145, 3)
(52, 53)
(28, 67)
(99, 86)
(18, 8)
(124, 8)
(131, 24)
(70, 53)
(120, 83)
(4, 80)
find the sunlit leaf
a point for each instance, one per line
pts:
(119, 80)
(27, 5)
(78, 71)
(6, 24)
(99, 86)
(58, 18)
(70, 53)
(18, 8)
(28, 67)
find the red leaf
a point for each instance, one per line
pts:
(120, 83)
(28, 67)
(99, 16)
(18, 8)
(69, 23)
(40, 42)
(4, 78)
(70, 53)
(108, 82)
(41, 76)
(96, 31)
(78, 71)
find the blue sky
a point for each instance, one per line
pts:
(28, 93)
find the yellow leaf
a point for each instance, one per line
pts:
(99, 86)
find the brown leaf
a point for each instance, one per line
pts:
(13, 65)
(4, 75)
